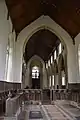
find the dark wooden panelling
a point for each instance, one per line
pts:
(74, 85)
(6, 86)
(65, 12)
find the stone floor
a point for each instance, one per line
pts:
(61, 110)
(54, 113)
(69, 109)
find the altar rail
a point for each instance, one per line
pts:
(53, 94)
(66, 94)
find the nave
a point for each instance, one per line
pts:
(39, 112)
(31, 105)
(40, 59)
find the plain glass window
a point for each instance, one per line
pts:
(46, 66)
(53, 80)
(55, 55)
(79, 57)
(49, 63)
(60, 48)
(63, 81)
(50, 81)
(51, 59)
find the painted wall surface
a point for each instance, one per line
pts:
(42, 22)
(5, 29)
(77, 42)
(47, 23)
(5, 35)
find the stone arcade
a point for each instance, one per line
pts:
(39, 59)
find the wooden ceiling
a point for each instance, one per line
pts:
(42, 44)
(65, 12)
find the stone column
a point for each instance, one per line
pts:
(56, 80)
(60, 79)
(44, 78)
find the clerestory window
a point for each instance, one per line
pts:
(79, 58)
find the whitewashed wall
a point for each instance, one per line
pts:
(5, 34)
(5, 29)
(77, 42)
(25, 34)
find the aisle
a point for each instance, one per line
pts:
(32, 112)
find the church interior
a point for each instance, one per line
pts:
(39, 60)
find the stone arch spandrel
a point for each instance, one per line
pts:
(45, 22)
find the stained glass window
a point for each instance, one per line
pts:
(35, 72)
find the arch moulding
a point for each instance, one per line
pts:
(45, 22)
(43, 74)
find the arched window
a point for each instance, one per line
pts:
(55, 55)
(51, 59)
(46, 65)
(50, 81)
(79, 57)
(35, 72)
(60, 48)
(63, 80)
(49, 63)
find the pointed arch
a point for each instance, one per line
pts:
(36, 57)
(45, 22)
